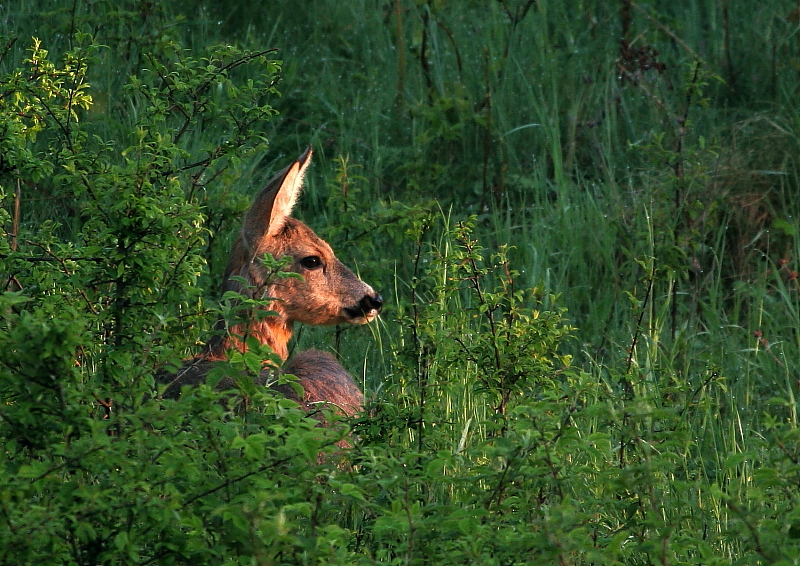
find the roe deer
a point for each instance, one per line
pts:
(328, 294)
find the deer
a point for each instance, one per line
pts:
(327, 293)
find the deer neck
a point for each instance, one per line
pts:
(274, 331)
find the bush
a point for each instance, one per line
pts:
(95, 468)
(484, 441)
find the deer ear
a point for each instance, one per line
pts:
(274, 203)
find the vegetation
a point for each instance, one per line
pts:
(582, 216)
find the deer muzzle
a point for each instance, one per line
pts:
(367, 309)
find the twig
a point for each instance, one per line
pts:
(668, 31)
(639, 324)
(66, 271)
(15, 225)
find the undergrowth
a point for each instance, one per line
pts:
(583, 219)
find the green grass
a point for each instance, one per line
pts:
(658, 205)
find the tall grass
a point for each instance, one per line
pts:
(641, 160)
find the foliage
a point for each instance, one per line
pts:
(95, 468)
(490, 164)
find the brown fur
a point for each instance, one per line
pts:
(328, 294)
(325, 383)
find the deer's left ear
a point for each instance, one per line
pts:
(275, 202)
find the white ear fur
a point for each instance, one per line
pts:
(287, 194)
(274, 204)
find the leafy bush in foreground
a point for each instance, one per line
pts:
(95, 468)
(484, 444)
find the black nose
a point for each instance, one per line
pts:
(369, 303)
(366, 307)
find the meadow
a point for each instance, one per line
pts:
(582, 216)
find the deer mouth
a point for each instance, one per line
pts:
(365, 311)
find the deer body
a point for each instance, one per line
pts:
(329, 293)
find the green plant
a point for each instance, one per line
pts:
(655, 425)
(95, 469)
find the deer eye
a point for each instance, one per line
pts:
(311, 262)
